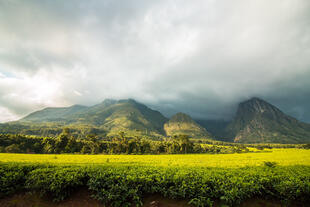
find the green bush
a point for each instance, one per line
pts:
(270, 164)
(58, 182)
(12, 178)
(118, 185)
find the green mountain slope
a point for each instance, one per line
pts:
(181, 123)
(257, 121)
(124, 115)
(53, 114)
(111, 116)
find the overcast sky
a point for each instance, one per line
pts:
(199, 57)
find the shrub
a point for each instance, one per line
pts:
(270, 164)
(119, 185)
(58, 182)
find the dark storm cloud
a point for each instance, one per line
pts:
(201, 58)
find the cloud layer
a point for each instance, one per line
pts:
(199, 57)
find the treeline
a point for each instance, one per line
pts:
(91, 144)
(259, 146)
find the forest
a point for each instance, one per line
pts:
(66, 143)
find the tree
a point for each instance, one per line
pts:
(85, 149)
(186, 145)
(306, 146)
(37, 147)
(13, 148)
(132, 146)
(62, 140)
(71, 146)
(145, 146)
(49, 145)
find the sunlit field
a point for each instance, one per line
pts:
(283, 157)
(123, 180)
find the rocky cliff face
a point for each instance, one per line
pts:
(257, 121)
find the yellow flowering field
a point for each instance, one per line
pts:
(283, 157)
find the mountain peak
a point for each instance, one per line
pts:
(181, 123)
(181, 117)
(254, 100)
(108, 101)
(259, 121)
(256, 105)
(129, 100)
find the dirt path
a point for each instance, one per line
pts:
(82, 198)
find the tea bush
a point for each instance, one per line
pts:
(119, 185)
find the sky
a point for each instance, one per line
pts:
(200, 57)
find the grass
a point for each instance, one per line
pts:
(282, 157)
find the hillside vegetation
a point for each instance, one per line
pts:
(182, 123)
(67, 143)
(256, 121)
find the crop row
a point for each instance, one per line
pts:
(118, 185)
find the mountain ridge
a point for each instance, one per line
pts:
(110, 115)
(255, 121)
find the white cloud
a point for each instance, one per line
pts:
(7, 115)
(201, 58)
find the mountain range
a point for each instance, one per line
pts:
(256, 121)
